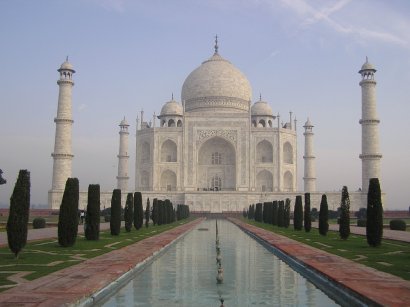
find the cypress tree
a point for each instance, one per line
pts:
(281, 213)
(374, 226)
(155, 211)
(298, 214)
(307, 217)
(115, 222)
(287, 213)
(92, 218)
(147, 213)
(18, 214)
(275, 213)
(68, 216)
(168, 209)
(323, 216)
(258, 212)
(138, 211)
(160, 212)
(129, 212)
(344, 225)
(265, 212)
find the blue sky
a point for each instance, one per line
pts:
(302, 56)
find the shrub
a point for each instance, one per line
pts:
(275, 209)
(18, 215)
(374, 227)
(398, 225)
(281, 213)
(361, 214)
(107, 218)
(138, 211)
(147, 213)
(361, 222)
(115, 221)
(68, 217)
(92, 218)
(129, 212)
(258, 212)
(306, 218)
(155, 213)
(298, 214)
(344, 225)
(323, 216)
(287, 213)
(39, 222)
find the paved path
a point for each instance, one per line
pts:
(51, 232)
(76, 283)
(46, 233)
(387, 233)
(381, 288)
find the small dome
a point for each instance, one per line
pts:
(66, 66)
(261, 108)
(367, 66)
(124, 122)
(171, 108)
(308, 123)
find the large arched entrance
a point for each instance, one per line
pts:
(216, 166)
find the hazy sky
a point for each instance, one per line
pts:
(302, 56)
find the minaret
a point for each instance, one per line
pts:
(62, 154)
(370, 127)
(309, 178)
(122, 178)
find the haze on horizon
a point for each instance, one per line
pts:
(301, 56)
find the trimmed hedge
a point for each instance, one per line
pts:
(307, 220)
(68, 217)
(398, 225)
(361, 222)
(323, 216)
(138, 211)
(129, 212)
(19, 211)
(374, 227)
(115, 221)
(39, 222)
(298, 214)
(344, 222)
(92, 218)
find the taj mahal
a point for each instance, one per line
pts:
(217, 150)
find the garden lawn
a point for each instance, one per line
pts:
(43, 257)
(391, 257)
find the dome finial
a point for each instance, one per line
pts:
(66, 59)
(216, 43)
(172, 96)
(367, 59)
(260, 97)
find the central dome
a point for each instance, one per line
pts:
(216, 84)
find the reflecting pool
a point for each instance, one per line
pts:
(185, 275)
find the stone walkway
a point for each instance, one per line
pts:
(74, 284)
(46, 233)
(379, 287)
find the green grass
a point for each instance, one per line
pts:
(394, 253)
(46, 256)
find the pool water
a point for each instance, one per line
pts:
(185, 275)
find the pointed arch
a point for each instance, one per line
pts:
(168, 181)
(287, 153)
(288, 182)
(264, 152)
(264, 181)
(169, 151)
